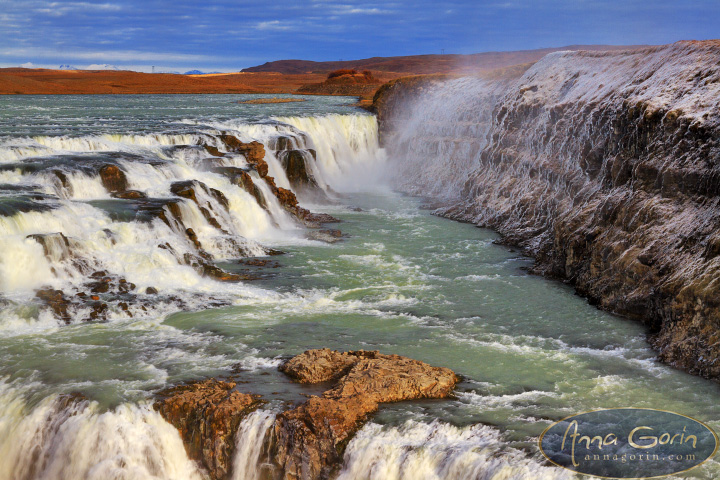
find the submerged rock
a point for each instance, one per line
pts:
(207, 415)
(129, 195)
(328, 235)
(57, 301)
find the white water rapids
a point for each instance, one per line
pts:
(61, 437)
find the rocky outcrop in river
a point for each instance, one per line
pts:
(307, 441)
(604, 166)
(207, 415)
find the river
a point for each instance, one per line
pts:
(402, 280)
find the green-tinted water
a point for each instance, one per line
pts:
(406, 282)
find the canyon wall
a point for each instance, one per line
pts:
(604, 166)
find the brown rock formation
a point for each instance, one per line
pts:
(129, 195)
(113, 179)
(207, 414)
(308, 441)
(254, 152)
(57, 301)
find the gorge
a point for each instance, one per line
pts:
(601, 165)
(166, 260)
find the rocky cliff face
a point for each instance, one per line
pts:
(603, 166)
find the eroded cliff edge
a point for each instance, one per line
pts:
(604, 166)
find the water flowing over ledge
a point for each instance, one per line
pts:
(121, 218)
(604, 166)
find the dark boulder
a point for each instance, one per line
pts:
(113, 178)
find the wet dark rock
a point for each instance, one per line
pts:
(298, 173)
(326, 235)
(109, 284)
(207, 415)
(57, 301)
(151, 291)
(217, 273)
(129, 195)
(205, 267)
(102, 286)
(98, 310)
(113, 178)
(258, 262)
(316, 219)
(213, 151)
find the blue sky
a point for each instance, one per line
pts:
(228, 35)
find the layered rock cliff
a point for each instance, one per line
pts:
(604, 166)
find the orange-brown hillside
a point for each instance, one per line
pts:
(284, 76)
(41, 81)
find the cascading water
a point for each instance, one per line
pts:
(143, 240)
(76, 400)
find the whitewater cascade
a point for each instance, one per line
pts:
(157, 211)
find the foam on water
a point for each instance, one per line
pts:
(152, 162)
(64, 439)
(437, 451)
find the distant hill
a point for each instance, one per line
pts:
(67, 67)
(102, 66)
(424, 64)
(194, 72)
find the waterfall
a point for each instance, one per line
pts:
(437, 451)
(60, 223)
(62, 438)
(347, 148)
(249, 443)
(602, 165)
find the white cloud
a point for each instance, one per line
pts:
(367, 11)
(63, 8)
(273, 25)
(108, 55)
(27, 65)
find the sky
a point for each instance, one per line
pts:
(225, 35)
